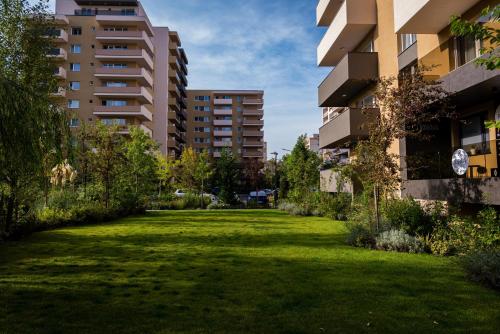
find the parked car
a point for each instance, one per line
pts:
(181, 193)
(260, 197)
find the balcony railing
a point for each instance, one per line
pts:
(142, 75)
(140, 112)
(253, 133)
(253, 101)
(223, 144)
(252, 122)
(95, 12)
(138, 55)
(126, 36)
(223, 112)
(250, 112)
(218, 122)
(141, 93)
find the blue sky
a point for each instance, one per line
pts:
(253, 44)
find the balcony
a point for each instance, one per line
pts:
(253, 154)
(223, 133)
(61, 93)
(218, 122)
(354, 20)
(141, 93)
(58, 35)
(173, 144)
(139, 37)
(135, 55)
(252, 143)
(223, 112)
(59, 19)
(326, 11)
(427, 16)
(256, 112)
(58, 54)
(253, 122)
(116, 18)
(257, 102)
(223, 101)
(60, 73)
(140, 112)
(217, 154)
(471, 83)
(352, 124)
(223, 144)
(353, 73)
(146, 130)
(140, 74)
(253, 133)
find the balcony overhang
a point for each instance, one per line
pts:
(354, 72)
(427, 16)
(140, 56)
(354, 20)
(473, 191)
(326, 11)
(140, 112)
(350, 125)
(140, 93)
(471, 84)
(139, 37)
(140, 74)
(142, 22)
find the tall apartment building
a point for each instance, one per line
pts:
(116, 68)
(369, 39)
(222, 119)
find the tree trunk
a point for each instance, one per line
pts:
(377, 213)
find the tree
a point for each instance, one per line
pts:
(202, 172)
(254, 176)
(226, 176)
(302, 170)
(406, 103)
(32, 124)
(488, 33)
(185, 170)
(140, 154)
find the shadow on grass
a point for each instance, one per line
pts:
(222, 280)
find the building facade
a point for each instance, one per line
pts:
(116, 68)
(227, 119)
(369, 39)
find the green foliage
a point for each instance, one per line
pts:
(301, 168)
(484, 268)
(62, 199)
(360, 236)
(219, 206)
(407, 215)
(399, 241)
(226, 177)
(488, 33)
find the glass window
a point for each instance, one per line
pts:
(474, 137)
(116, 84)
(466, 50)
(73, 104)
(74, 85)
(76, 48)
(74, 67)
(367, 46)
(76, 31)
(407, 40)
(74, 122)
(114, 103)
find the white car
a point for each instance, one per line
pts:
(182, 193)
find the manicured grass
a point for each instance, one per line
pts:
(230, 272)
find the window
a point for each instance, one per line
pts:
(76, 31)
(117, 66)
(225, 97)
(74, 122)
(202, 140)
(202, 98)
(202, 108)
(74, 67)
(115, 47)
(128, 12)
(114, 103)
(238, 109)
(466, 50)
(116, 29)
(367, 102)
(407, 40)
(474, 137)
(116, 84)
(201, 119)
(73, 104)
(86, 12)
(367, 46)
(74, 85)
(201, 129)
(114, 121)
(76, 48)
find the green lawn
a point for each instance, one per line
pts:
(230, 272)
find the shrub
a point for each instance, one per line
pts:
(407, 215)
(400, 241)
(360, 236)
(62, 199)
(484, 268)
(337, 207)
(219, 206)
(294, 209)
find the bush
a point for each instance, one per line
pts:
(407, 215)
(399, 241)
(360, 236)
(337, 207)
(484, 268)
(62, 199)
(219, 206)
(294, 209)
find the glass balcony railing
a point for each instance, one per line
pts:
(94, 12)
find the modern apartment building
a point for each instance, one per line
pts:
(116, 68)
(222, 119)
(369, 39)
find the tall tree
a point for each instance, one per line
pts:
(202, 173)
(226, 176)
(185, 170)
(164, 172)
(32, 125)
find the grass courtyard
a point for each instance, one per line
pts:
(230, 272)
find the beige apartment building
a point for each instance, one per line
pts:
(116, 68)
(369, 39)
(227, 119)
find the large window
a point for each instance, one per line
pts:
(466, 50)
(117, 66)
(73, 104)
(74, 67)
(76, 31)
(407, 40)
(202, 98)
(114, 121)
(74, 85)
(114, 103)
(116, 84)
(474, 137)
(76, 48)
